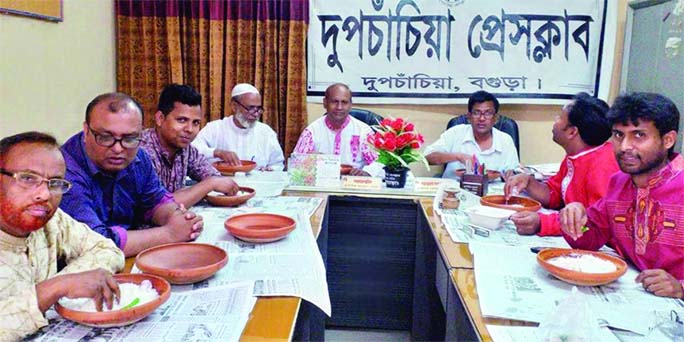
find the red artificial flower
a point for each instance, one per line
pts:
(398, 124)
(409, 127)
(386, 122)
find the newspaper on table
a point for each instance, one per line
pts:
(511, 285)
(504, 333)
(264, 183)
(211, 314)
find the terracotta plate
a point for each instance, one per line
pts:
(516, 203)
(259, 227)
(229, 170)
(580, 278)
(182, 263)
(231, 201)
(345, 169)
(121, 317)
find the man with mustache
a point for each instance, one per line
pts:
(177, 120)
(459, 143)
(35, 235)
(582, 130)
(341, 134)
(116, 190)
(241, 136)
(641, 214)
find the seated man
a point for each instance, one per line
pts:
(115, 188)
(641, 214)
(35, 234)
(459, 143)
(241, 136)
(339, 133)
(582, 130)
(178, 121)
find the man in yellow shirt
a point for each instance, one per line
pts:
(35, 235)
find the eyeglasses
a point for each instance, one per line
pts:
(30, 180)
(488, 114)
(251, 109)
(106, 140)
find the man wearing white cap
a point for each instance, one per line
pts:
(241, 136)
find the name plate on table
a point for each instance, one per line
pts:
(320, 170)
(425, 184)
(361, 183)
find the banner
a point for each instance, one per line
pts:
(441, 51)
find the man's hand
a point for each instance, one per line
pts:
(184, 225)
(358, 172)
(660, 283)
(515, 184)
(526, 222)
(229, 157)
(572, 218)
(224, 185)
(97, 284)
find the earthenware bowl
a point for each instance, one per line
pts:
(120, 318)
(223, 200)
(576, 277)
(229, 170)
(345, 169)
(516, 203)
(259, 227)
(182, 263)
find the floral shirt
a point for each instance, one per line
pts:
(172, 173)
(349, 142)
(31, 260)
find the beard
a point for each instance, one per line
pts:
(244, 122)
(20, 221)
(646, 165)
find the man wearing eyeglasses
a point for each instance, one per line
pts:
(459, 143)
(241, 136)
(35, 234)
(177, 122)
(116, 190)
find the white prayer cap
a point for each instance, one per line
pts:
(244, 88)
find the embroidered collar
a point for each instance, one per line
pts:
(344, 124)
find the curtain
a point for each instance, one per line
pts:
(213, 45)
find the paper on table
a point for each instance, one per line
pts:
(216, 314)
(511, 285)
(502, 333)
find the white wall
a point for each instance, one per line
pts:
(49, 71)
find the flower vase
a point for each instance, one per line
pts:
(395, 178)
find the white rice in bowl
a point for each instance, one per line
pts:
(584, 263)
(145, 292)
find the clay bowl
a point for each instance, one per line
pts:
(345, 169)
(516, 203)
(580, 278)
(229, 170)
(259, 227)
(230, 201)
(182, 263)
(120, 318)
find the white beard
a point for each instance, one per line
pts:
(245, 123)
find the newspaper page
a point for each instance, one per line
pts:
(292, 266)
(212, 314)
(511, 284)
(502, 333)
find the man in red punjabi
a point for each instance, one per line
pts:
(582, 130)
(641, 214)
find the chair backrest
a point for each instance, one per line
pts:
(503, 123)
(366, 116)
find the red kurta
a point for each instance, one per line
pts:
(583, 178)
(645, 225)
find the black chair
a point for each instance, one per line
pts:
(366, 116)
(504, 124)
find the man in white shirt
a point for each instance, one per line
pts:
(241, 136)
(492, 147)
(341, 134)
